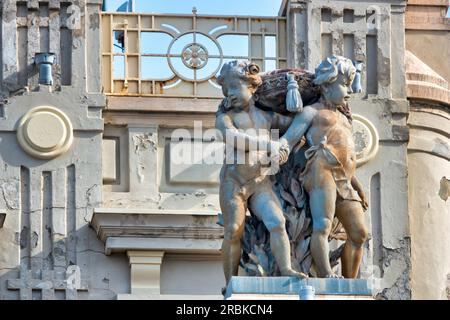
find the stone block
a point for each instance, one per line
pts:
(109, 167)
(195, 162)
(287, 288)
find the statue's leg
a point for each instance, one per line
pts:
(266, 205)
(351, 215)
(322, 201)
(233, 208)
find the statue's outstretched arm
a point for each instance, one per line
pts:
(281, 122)
(298, 127)
(231, 134)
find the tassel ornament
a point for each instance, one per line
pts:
(294, 101)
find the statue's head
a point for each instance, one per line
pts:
(335, 75)
(239, 81)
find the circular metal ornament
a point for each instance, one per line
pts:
(179, 55)
(194, 56)
(45, 132)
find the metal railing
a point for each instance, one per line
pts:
(180, 55)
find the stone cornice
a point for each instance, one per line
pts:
(424, 83)
(299, 4)
(165, 230)
(162, 104)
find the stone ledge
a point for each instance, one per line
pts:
(169, 231)
(168, 245)
(163, 104)
(289, 287)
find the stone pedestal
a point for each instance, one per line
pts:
(287, 288)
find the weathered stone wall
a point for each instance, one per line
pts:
(49, 196)
(429, 167)
(427, 74)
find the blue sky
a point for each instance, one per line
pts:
(157, 68)
(225, 7)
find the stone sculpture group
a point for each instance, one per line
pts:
(295, 211)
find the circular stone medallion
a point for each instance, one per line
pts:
(45, 132)
(366, 139)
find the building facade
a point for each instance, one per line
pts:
(95, 205)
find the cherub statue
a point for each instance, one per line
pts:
(243, 184)
(329, 174)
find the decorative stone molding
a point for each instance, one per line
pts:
(145, 271)
(422, 82)
(174, 231)
(45, 132)
(366, 139)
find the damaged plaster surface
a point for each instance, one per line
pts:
(49, 203)
(444, 189)
(397, 266)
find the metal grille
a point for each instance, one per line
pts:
(180, 55)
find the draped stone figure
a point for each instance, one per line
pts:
(244, 185)
(316, 190)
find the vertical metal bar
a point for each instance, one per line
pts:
(111, 50)
(138, 46)
(277, 43)
(250, 51)
(125, 51)
(263, 46)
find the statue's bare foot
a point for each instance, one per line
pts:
(293, 273)
(334, 276)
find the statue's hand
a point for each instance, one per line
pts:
(279, 150)
(284, 151)
(364, 202)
